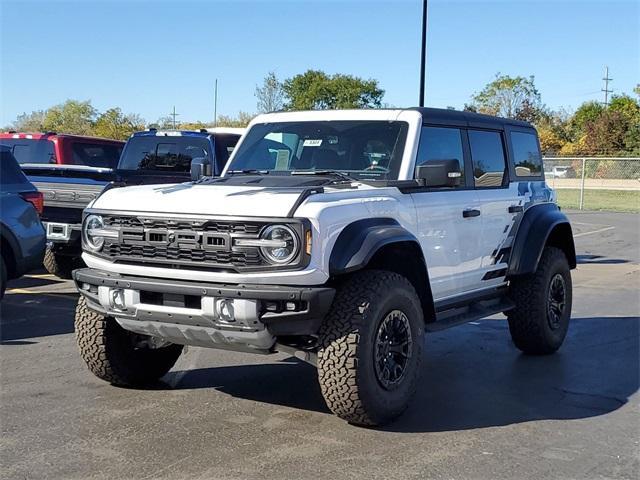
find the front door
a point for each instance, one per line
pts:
(449, 224)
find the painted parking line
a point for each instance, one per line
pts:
(606, 229)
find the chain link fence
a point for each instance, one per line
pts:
(595, 183)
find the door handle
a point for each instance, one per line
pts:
(516, 209)
(470, 213)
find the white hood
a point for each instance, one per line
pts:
(188, 198)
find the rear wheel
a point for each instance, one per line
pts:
(118, 356)
(540, 320)
(371, 348)
(60, 265)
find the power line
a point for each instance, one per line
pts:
(174, 115)
(606, 86)
(215, 104)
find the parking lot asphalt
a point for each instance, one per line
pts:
(482, 411)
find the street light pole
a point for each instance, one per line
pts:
(423, 51)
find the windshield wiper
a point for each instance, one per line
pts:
(333, 173)
(248, 171)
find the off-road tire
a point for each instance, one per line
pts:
(110, 354)
(529, 321)
(60, 265)
(3, 277)
(346, 357)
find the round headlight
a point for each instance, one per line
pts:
(282, 244)
(92, 224)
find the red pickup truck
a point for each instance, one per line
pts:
(51, 148)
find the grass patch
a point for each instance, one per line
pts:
(611, 200)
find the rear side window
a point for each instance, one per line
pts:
(487, 154)
(95, 154)
(10, 172)
(27, 150)
(526, 154)
(441, 143)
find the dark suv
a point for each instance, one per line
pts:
(22, 237)
(149, 157)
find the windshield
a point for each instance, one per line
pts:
(362, 149)
(28, 150)
(164, 153)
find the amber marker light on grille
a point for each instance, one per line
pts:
(307, 242)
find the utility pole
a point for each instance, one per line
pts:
(215, 104)
(174, 115)
(606, 87)
(423, 52)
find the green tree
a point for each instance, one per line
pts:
(509, 97)
(197, 125)
(29, 122)
(315, 90)
(73, 116)
(240, 120)
(270, 96)
(114, 124)
(586, 113)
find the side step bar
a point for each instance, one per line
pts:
(452, 316)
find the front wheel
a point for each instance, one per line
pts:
(539, 322)
(118, 356)
(371, 348)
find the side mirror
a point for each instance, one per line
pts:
(440, 173)
(200, 167)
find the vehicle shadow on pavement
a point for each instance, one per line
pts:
(291, 382)
(473, 377)
(493, 384)
(599, 260)
(25, 316)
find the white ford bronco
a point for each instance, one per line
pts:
(339, 236)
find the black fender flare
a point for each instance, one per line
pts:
(358, 242)
(541, 224)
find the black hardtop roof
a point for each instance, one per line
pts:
(469, 119)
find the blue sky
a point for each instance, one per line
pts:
(148, 56)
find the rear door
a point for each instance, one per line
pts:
(499, 202)
(448, 235)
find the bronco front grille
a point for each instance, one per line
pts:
(186, 243)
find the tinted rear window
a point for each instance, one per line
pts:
(27, 150)
(526, 154)
(96, 154)
(10, 172)
(167, 154)
(487, 154)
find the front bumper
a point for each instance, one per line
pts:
(238, 317)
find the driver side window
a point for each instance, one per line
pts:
(441, 143)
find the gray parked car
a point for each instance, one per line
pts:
(22, 236)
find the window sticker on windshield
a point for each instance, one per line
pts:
(282, 160)
(309, 142)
